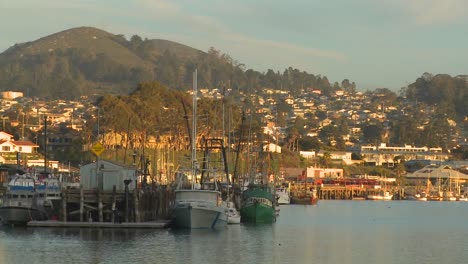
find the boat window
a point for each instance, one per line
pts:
(15, 196)
(22, 196)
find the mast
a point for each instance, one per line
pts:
(194, 130)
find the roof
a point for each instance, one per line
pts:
(24, 143)
(436, 172)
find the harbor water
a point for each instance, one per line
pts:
(330, 232)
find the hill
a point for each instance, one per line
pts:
(89, 61)
(84, 60)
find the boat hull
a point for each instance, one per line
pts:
(379, 197)
(11, 215)
(258, 213)
(199, 209)
(195, 217)
(305, 200)
(283, 198)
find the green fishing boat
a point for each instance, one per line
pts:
(258, 204)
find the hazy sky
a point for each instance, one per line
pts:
(376, 43)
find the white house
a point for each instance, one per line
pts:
(17, 146)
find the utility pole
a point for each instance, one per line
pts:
(45, 144)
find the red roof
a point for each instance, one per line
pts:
(24, 143)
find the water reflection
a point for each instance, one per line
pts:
(333, 232)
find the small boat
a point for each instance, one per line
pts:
(462, 198)
(381, 196)
(233, 216)
(308, 197)
(448, 196)
(283, 196)
(21, 202)
(422, 196)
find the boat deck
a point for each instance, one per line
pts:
(160, 224)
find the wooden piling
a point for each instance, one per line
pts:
(81, 203)
(100, 207)
(64, 206)
(114, 204)
(135, 206)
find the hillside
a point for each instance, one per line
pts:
(83, 60)
(89, 61)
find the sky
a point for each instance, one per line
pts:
(375, 43)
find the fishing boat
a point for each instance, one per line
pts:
(198, 198)
(196, 209)
(258, 204)
(198, 201)
(21, 202)
(307, 197)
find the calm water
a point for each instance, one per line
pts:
(331, 232)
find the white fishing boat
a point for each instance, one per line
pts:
(381, 196)
(199, 209)
(21, 202)
(198, 199)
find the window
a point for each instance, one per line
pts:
(20, 149)
(5, 148)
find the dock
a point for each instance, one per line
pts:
(160, 224)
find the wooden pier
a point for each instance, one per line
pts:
(352, 192)
(160, 224)
(141, 205)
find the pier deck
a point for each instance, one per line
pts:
(160, 224)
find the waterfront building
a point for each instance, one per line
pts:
(385, 155)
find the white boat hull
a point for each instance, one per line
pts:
(233, 216)
(283, 198)
(380, 197)
(199, 209)
(196, 217)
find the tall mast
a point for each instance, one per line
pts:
(194, 130)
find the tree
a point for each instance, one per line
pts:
(372, 133)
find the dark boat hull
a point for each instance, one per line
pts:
(15, 215)
(305, 200)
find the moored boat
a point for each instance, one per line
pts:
(381, 196)
(308, 197)
(282, 195)
(420, 196)
(233, 216)
(199, 209)
(258, 204)
(21, 202)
